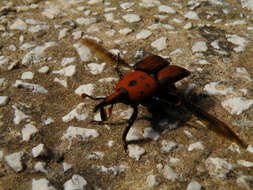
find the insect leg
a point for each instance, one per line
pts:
(117, 67)
(130, 123)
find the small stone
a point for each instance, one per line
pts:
(250, 148)
(15, 161)
(77, 35)
(144, 34)
(95, 68)
(92, 2)
(18, 115)
(169, 173)
(39, 150)
(168, 146)
(218, 167)
(166, 9)
(135, 151)
(153, 181)
(66, 166)
(125, 31)
(68, 71)
(131, 18)
(86, 21)
(134, 134)
(86, 88)
(83, 51)
(4, 100)
(212, 89)
(160, 44)
(61, 82)
(197, 145)
(199, 47)
(41, 184)
(245, 163)
(30, 86)
(18, 25)
(43, 69)
(191, 15)
(77, 182)
(237, 105)
(52, 12)
(174, 160)
(84, 133)
(38, 28)
(27, 75)
(193, 185)
(151, 133)
(12, 48)
(110, 18)
(95, 156)
(126, 5)
(40, 167)
(28, 131)
(78, 113)
(63, 33)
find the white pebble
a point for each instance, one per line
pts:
(125, 31)
(193, 185)
(96, 68)
(110, 18)
(237, 105)
(92, 2)
(131, 18)
(30, 86)
(86, 88)
(78, 113)
(18, 115)
(237, 40)
(66, 166)
(28, 131)
(4, 100)
(43, 69)
(38, 150)
(245, 163)
(144, 34)
(61, 82)
(48, 121)
(218, 167)
(166, 9)
(126, 5)
(191, 15)
(67, 71)
(134, 134)
(18, 25)
(40, 167)
(12, 47)
(110, 143)
(52, 12)
(26, 46)
(63, 33)
(135, 151)
(197, 145)
(168, 146)
(212, 89)
(86, 21)
(151, 134)
(84, 133)
(38, 28)
(66, 60)
(27, 75)
(250, 148)
(169, 173)
(149, 3)
(34, 55)
(153, 181)
(95, 155)
(77, 35)
(14, 161)
(188, 134)
(174, 160)
(77, 182)
(83, 51)
(160, 44)
(199, 47)
(41, 184)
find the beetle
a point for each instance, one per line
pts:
(152, 81)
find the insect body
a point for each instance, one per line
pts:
(153, 81)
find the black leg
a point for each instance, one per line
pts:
(130, 123)
(117, 67)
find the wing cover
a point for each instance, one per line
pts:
(151, 64)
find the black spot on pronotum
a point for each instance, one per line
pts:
(142, 77)
(132, 83)
(147, 85)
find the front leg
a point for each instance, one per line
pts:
(130, 123)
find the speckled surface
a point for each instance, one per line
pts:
(47, 140)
